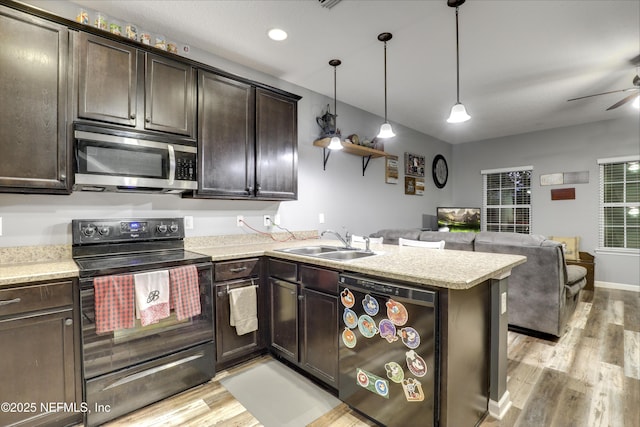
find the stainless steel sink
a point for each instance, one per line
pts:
(345, 255)
(328, 252)
(310, 250)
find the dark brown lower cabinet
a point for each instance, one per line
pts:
(320, 335)
(232, 348)
(284, 318)
(38, 375)
(304, 318)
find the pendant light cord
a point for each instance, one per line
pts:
(385, 82)
(457, 61)
(335, 102)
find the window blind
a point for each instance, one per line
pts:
(619, 203)
(506, 200)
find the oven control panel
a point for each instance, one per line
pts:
(85, 231)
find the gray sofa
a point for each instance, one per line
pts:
(543, 292)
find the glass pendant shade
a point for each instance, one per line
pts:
(386, 131)
(335, 144)
(636, 103)
(458, 114)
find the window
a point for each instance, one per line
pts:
(506, 201)
(620, 203)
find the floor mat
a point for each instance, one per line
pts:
(278, 396)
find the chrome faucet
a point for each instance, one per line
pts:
(346, 240)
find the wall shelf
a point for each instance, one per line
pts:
(357, 150)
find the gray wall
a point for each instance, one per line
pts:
(569, 149)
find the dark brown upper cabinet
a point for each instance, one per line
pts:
(34, 151)
(122, 85)
(247, 141)
(276, 146)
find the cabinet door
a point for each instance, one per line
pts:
(276, 146)
(37, 366)
(231, 347)
(284, 318)
(225, 137)
(34, 152)
(169, 96)
(107, 80)
(320, 335)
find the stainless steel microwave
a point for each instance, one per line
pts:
(108, 162)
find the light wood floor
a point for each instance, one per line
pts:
(589, 377)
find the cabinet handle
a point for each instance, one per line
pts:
(300, 297)
(237, 270)
(148, 120)
(68, 322)
(132, 116)
(10, 301)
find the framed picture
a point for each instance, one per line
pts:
(409, 185)
(413, 165)
(391, 170)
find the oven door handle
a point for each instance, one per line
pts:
(142, 374)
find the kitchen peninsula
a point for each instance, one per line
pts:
(472, 322)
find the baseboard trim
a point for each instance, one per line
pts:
(618, 286)
(498, 409)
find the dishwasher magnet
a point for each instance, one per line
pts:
(370, 305)
(397, 313)
(347, 298)
(367, 326)
(410, 337)
(416, 364)
(394, 372)
(413, 390)
(349, 338)
(373, 383)
(388, 330)
(350, 318)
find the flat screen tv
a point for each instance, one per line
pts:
(459, 219)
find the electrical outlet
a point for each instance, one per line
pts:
(188, 223)
(266, 220)
(276, 219)
(239, 220)
(321, 218)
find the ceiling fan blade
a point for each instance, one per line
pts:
(624, 101)
(598, 94)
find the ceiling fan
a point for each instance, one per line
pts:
(635, 89)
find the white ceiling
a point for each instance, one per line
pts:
(520, 60)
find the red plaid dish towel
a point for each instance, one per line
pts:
(185, 291)
(114, 303)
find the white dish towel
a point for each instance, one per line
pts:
(243, 309)
(152, 296)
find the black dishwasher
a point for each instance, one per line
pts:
(388, 357)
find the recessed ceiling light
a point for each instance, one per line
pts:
(277, 34)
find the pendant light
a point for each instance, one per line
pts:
(385, 129)
(458, 112)
(335, 143)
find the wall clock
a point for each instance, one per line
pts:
(440, 171)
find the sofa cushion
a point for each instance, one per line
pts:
(513, 239)
(575, 273)
(391, 235)
(462, 241)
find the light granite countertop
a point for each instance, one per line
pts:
(439, 268)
